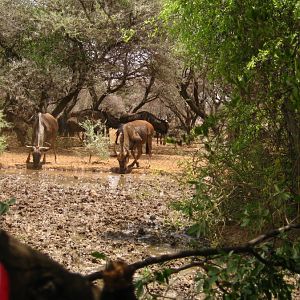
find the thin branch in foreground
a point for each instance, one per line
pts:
(32, 273)
(246, 248)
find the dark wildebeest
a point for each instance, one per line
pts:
(132, 137)
(161, 126)
(73, 127)
(44, 131)
(75, 118)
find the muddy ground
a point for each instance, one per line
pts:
(72, 208)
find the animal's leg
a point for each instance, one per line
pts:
(28, 158)
(134, 159)
(149, 143)
(117, 136)
(137, 156)
(54, 150)
(44, 159)
(54, 147)
(140, 151)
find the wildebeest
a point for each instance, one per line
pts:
(161, 126)
(73, 127)
(132, 137)
(44, 131)
(70, 124)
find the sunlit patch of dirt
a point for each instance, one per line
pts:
(164, 159)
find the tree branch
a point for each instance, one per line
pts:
(206, 252)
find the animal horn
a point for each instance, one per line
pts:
(44, 148)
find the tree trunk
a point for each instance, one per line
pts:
(292, 120)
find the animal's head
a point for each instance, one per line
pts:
(165, 126)
(123, 159)
(37, 154)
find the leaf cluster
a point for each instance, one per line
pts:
(96, 142)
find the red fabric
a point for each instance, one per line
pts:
(4, 283)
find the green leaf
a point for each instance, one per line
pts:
(98, 255)
(139, 287)
(4, 206)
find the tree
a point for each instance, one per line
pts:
(64, 57)
(253, 48)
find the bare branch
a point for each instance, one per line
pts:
(206, 252)
(85, 11)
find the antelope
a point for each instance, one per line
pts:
(45, 130)
(161, 126)
(132, 137)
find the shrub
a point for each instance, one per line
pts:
(95, 140)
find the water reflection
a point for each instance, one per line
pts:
(116, 181)
(112, 181)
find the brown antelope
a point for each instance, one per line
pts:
(44, 131)
(161, 126)
(132, 137)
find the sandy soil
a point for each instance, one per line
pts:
(165, 158)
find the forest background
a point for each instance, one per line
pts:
(232, 65)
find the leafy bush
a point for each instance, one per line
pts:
(95, 140)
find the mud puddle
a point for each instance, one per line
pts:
(71, 178)
(137, 203)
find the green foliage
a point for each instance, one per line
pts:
(239, 277)
(203, 209)
(98, 255)
(95, 140)
(127, 34)
(47, 51)
(250, 169)
(4, 206)
(148, 276)
(266, 271)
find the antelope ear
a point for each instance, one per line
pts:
(27, 146)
